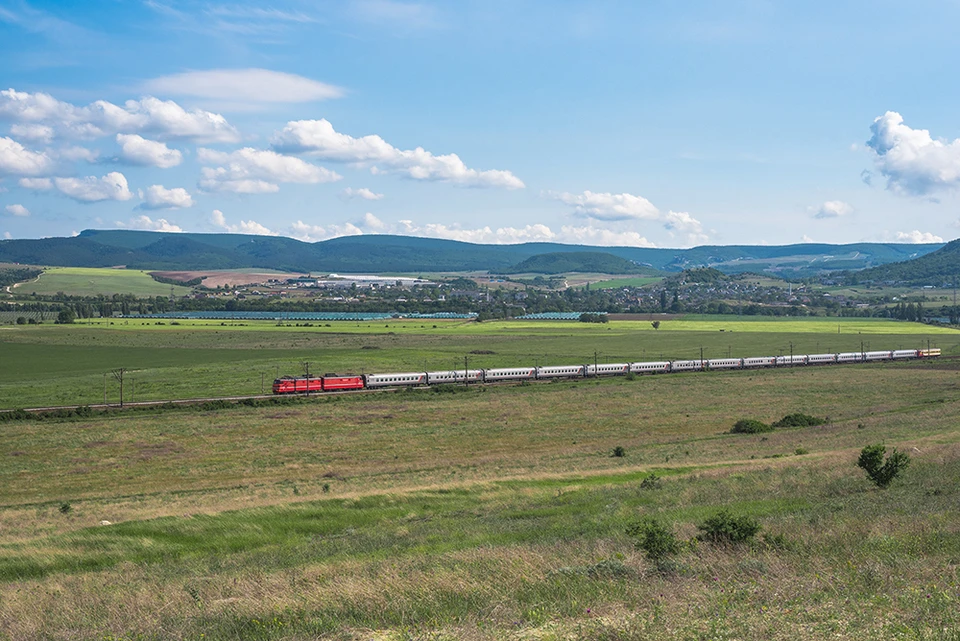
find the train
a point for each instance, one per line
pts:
(339, 383)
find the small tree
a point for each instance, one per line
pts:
(724, 527)
(882, 472)
(66, 316)
(655, 539)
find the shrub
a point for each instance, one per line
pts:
(882, 472)
(655, 539)
(651, 482)
(750, 426)
(799, 419)
(619, 452)
(725, 527)
(65, 508)
(21, 320)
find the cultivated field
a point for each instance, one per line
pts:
(486, 512)
(93, 281)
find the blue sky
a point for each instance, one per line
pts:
(605, 123)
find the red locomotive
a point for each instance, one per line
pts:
(327, 383)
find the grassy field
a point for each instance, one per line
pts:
(625, 282)
(492, 513)
(65, 365)
(93, 281)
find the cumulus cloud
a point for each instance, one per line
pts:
(140, 151)
(244, 86)
(145, 222)
(685, 224)
(364, 193)
(79, 153)
(91, 189)
(36, 184)
(158, 197)
(832, 209)
(910, 159)
(163, 118)
(607, 206)
(312, 233)
(33, 133)
(17, 210)
(244, 227)
(318, 138)
(17, 160)
(917, 236)
(7, 235)
(254, 171)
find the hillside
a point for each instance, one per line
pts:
(383, 253)
(592, 262)
(941, 267)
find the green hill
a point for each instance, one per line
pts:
(937, 268)
(564, 262)
(383, 253)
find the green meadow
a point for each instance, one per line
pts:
(94, 281)
(67, 365)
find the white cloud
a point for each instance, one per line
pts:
(79, 153)
(145, 222)
(36, 184)
(363, 193)
(253, 171)
(913, 162)
(91, 189)
(164, 118)
(140, 151)
(245, 226)
(832, 209)
(18, 160)
(312, 233)
(372, 222)
(158, 197)
(319, 138)
(684, 223)
(244, 85)
(806, 239)
(33, 133)
(917, 236)
(603, 237)
(7, 235)
(17, 210)
(607, 206)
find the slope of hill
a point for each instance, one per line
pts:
(561, 262)
(382, 253)
(941, 267)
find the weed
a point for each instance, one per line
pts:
(799, 420)
(619, 452)
(651, 482)
(65, 508)
(800, 451)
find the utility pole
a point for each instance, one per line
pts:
(118, 374)
(261, 383)
(596, 367)
(466, 372)
(791, 353)
(306, 368)
(105, 385)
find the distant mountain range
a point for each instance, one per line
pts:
(382, 253)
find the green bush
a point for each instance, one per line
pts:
(725, 527)
(619, 452)
(651, 482)
(655, 539)
(882, 472)
(750, 426)
(799, 419)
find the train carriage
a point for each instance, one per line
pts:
(878, 356)
(509, 374)
(333, 382)
(821, 359)
(687, 366)
(455, 376)
(561, 371)
(724, 363)
(760, 361)
(393, 380)
(650, 367)
(901, 354)
(608, 369)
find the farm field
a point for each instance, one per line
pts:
(491, 513)
(625, 282)
(94, 281)
(66, 365)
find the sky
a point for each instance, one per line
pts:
(641, 123)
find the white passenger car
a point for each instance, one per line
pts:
(392, 380)
(651, 367)
(560, 371)
(760, 361)
(724, 363)
(509, 373)
(821, 359)
(455, 376)
(899, 354)
(608, 369)
(687, 366)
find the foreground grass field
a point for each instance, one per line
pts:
(492, 513)
(65, 365)
(94, 281)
